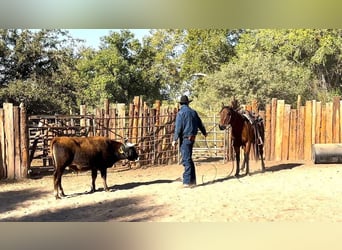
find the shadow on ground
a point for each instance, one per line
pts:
(10, 200)
(283, 166)
(279, 167)
(122, 209)
(131, 185)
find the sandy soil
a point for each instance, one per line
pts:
(291, 192)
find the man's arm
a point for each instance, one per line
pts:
(201, 126)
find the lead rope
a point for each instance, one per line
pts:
(214, 165)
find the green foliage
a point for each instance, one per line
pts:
(261, 76)
(279, 64)
(120, 70)
(46, 70)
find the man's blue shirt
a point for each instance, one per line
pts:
(187, 123)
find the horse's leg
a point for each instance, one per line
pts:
(246, 156)
(261, 154)
(237, 157)
(243, 165)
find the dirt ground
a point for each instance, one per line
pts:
(291, 192)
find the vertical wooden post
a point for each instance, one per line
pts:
(268, 134)
(112, 123)
(9, 140)
(131, 121)
(286, 133)
(329, 122)
(273, 127)
(122, 119)
(157, 127)
(24, 141)
(293, 135)
(299, 128)
(300, 134)
(340, 122)
(299, 102)
(153, 140)
(308, 130)
(318, 123)
(16, 135)
(136, 103)
(279, 129)
(313, 123)
(336, 120)
(83, 122)
(106, 118)
(323, 136)
(3, 165)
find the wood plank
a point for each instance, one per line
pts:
(122, 117)
(300, 134)
(3, 165)
(336, 120)
(318, 122)
(131, 120)
(313, 122)
(286, 133)
(9, 140)
(329, 125)
(279, 129)
(323, 134)
(17, 151)
(273, 127)
(136, 103)
(293, 135)
(268, 135)
(340, 141)
(308, 130)
(24, 142)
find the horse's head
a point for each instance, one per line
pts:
(225, 117)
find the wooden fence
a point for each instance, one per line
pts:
(13, 142)
(150, 128)
(290, 131)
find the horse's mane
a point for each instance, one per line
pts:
(234, 106)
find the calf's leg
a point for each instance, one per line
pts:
(104, 179)
(57, 179)
(93, 179)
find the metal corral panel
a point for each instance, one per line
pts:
(327, 153)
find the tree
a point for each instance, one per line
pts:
(36, 67)
(118, 71)
(316, 49)
(261, 76)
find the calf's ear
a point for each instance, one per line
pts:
(122, 149)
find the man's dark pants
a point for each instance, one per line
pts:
(189, 175)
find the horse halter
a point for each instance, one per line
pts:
(227, 119)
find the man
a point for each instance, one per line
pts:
(187, 124)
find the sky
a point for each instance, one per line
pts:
(92, 36)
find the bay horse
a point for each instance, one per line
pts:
(247, 131)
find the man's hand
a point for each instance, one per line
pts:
(173, 143)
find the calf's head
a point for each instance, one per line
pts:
(129, 151)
